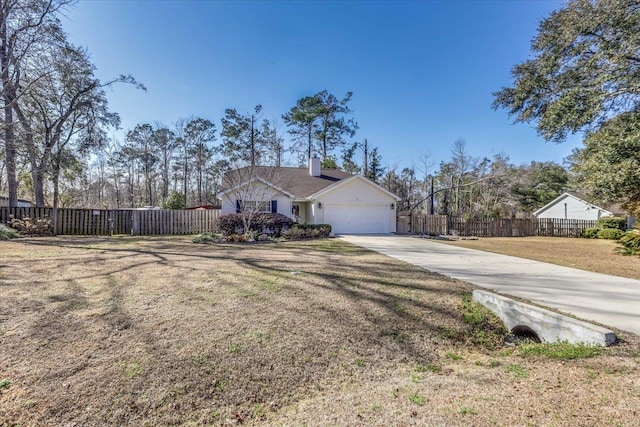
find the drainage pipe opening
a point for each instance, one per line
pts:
(522, 333)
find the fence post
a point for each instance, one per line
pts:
(135, 223)
(54, 219)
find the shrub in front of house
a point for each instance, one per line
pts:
(612, 222)
(208, 237)
(590, 233)
(229, 224)
(308, 231)
(269, 224)
(610, 233)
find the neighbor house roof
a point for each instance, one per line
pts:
(614, 209)
(295, 181)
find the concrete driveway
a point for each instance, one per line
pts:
(610, 300)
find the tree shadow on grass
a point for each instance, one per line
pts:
(270, 326)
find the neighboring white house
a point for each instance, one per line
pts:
(575, 206)
(350, 203)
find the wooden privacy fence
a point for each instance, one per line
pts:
(95, 222)
(422, 224)
(491, 227)
(562, 227)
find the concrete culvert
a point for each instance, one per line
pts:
(522, 333)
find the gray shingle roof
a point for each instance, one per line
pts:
(296, 181)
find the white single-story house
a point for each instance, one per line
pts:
(570, 205)
(350, 203)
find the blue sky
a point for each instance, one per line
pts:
(422, 73)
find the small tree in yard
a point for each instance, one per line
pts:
(254, 190)
(175, 200)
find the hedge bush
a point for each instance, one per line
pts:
(610, 233)
(208, 238)
(611, 222)
(271, 224)
(261, 223)
(308, 231)
(630, 242)
(7, 232)
(590, 233)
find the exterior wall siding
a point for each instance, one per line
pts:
(358, 192)
(572, 208)
(258, 192)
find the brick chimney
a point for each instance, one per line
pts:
(314, 166)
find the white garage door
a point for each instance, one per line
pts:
(354, 219)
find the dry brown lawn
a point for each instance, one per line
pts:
(161, 331)
(586, 254)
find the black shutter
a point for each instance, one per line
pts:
(237, 206)
(274, 206)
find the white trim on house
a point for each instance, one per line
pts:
(348, 180)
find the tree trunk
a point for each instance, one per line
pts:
(432, 196)
(200, 185)
(365, 166)
(149, 190)
(309, 135)
(117, 188)
(184, 176)
(165, 177)
(56, 180)
(10, 152)
(8, 97)
(37, 169)
(253, 143)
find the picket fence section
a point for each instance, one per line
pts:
(490, 227)
(102, 222)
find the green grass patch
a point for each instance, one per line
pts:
(333, 245)
(416, 378)
(518, 371)
(131, 370)
(560, 350)
(487, 330)
(235, 349)
(418, 399)
(429, 368)
(474, 314)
